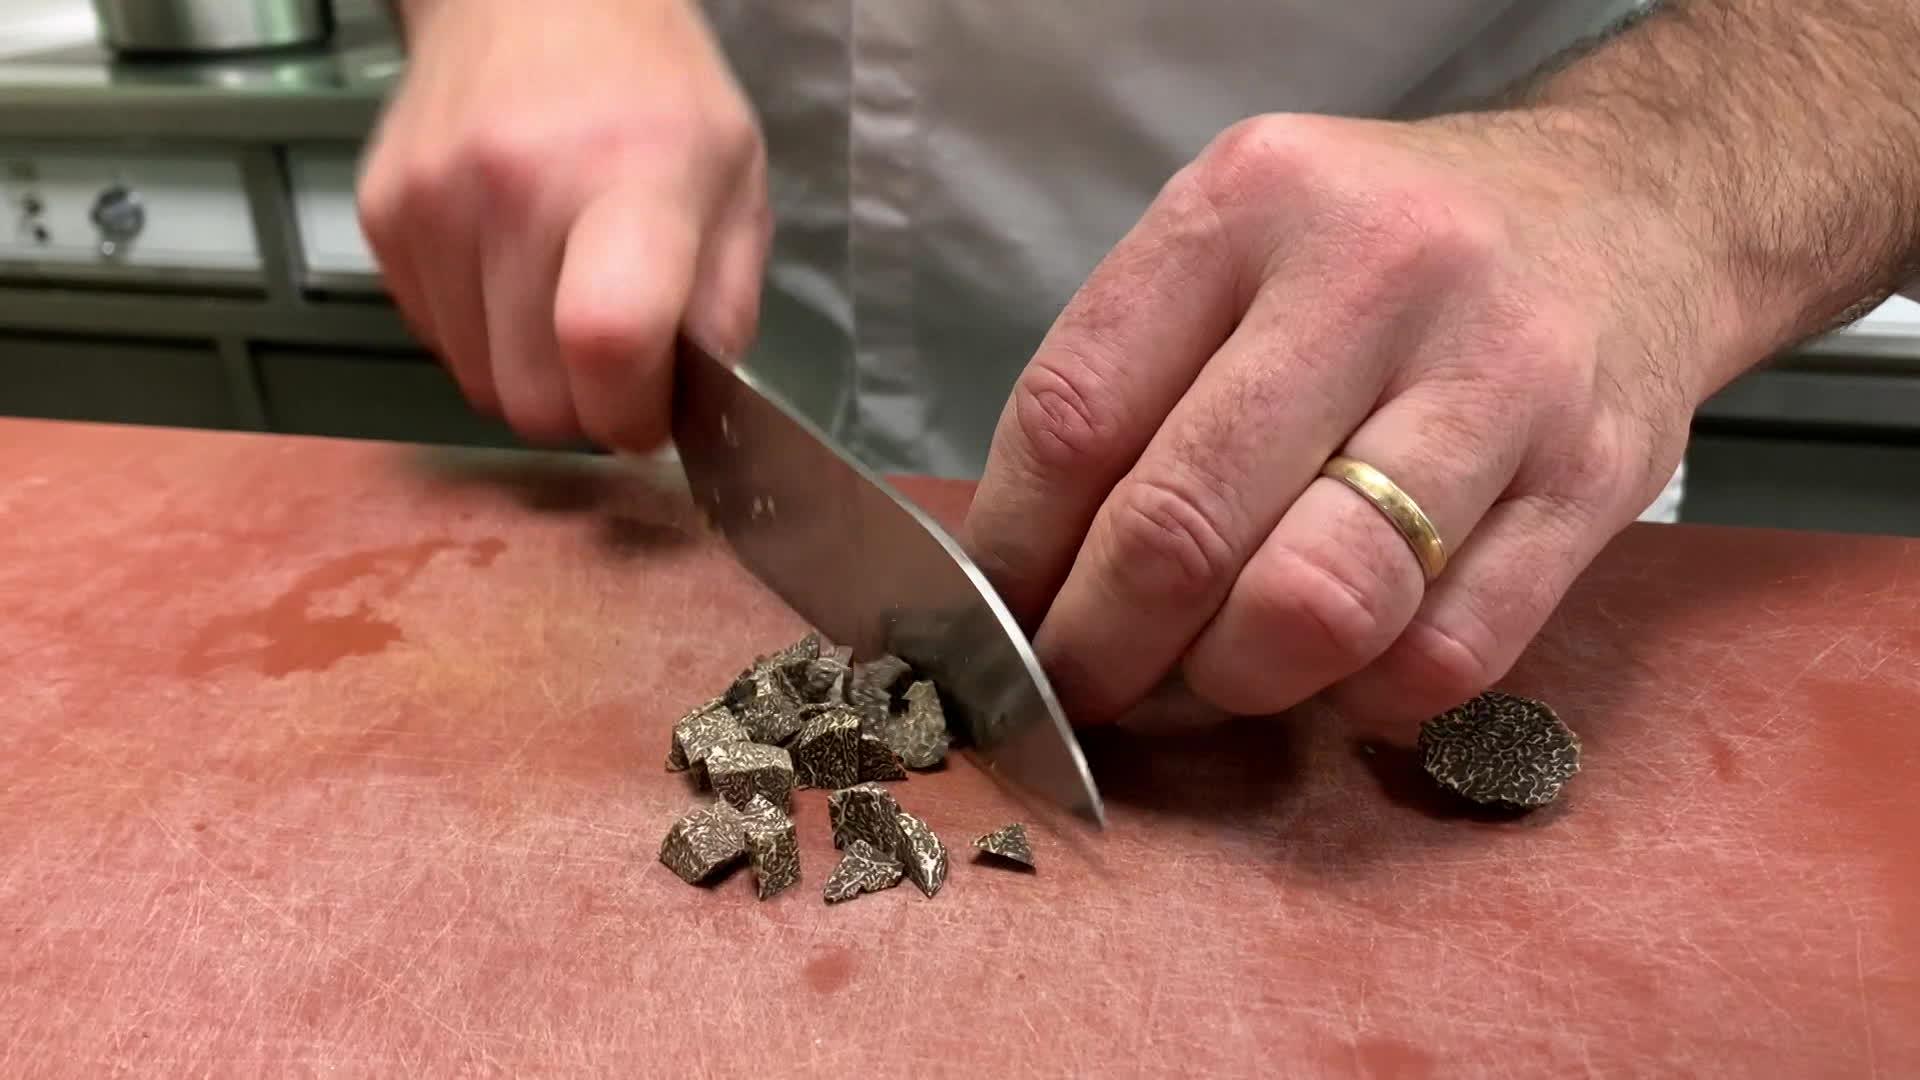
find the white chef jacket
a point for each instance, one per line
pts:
(945, 173)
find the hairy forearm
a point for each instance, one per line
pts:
(1785, 135)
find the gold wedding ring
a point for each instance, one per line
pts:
(1398, 507)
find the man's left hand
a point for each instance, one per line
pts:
(1465, 304)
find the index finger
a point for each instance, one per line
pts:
(1093, 395)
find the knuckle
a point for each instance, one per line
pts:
(1611, 437)
(392, 191)
(503, 165)
(1311, 596)
(595, 336)
(1617, 474)
(1522, 369)
(1596, 473)
(1473, 236)
(1541, 368)
(1167, 545)
(1455, 237)
(1556, 344)
(1063, 412)
(378, 202)
(417, 192)
(739, 135)
(1413, 234)
(1252, 159)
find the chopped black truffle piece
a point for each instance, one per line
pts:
(864, 812)
(863, 869)
(921, 852)
(826, 753)
(871, 685)
(742, 771)
(1008, 842)
(1501, 749)
(703, 843)
(919, 734)
(878, 761)
(697, 733)
(767, 704)
(773, 847)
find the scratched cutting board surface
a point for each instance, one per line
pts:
(345, 758)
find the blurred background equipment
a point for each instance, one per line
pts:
(210, 27)
(178, 241)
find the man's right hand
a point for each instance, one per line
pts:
(556, 191)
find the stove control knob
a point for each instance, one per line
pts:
(119, 215)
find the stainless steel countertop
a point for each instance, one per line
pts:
(64, 84)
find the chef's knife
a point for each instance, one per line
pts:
(869, 569)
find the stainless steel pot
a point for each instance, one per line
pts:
(207, 27)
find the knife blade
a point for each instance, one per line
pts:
(869, 569)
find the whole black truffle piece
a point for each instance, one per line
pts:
(1502, 750)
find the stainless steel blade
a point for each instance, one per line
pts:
(869, 569)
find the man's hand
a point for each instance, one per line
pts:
(1512, 314)
(559, 188)
(1444, 302)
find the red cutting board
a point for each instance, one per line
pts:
(345, 759)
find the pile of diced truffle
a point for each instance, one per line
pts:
(810, 716)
